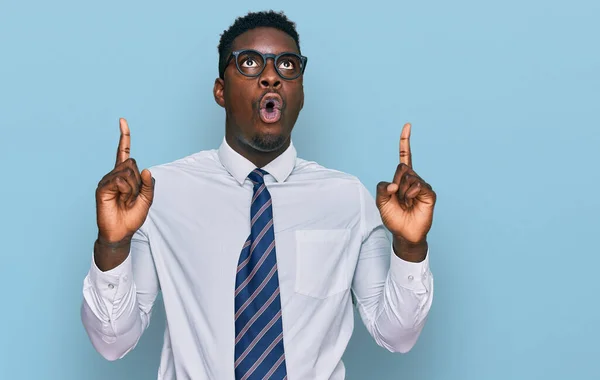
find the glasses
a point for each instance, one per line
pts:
(252, 63)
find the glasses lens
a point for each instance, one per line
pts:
(250, 63)
(289, 66)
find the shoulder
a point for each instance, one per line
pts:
(344, 193)
(311, 170)
(329, 178)
(198, 163)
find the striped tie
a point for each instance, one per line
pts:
(258, 325)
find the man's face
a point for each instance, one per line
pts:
(260, 111)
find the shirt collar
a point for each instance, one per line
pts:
(239, 166)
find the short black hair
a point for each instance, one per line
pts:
(252, 20)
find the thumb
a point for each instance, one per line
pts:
(385, 190)
(147, 188)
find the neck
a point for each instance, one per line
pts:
(257, 157)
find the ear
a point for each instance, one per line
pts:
(218, 92)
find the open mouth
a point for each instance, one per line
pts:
(270, 108)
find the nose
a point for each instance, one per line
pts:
(269, 77)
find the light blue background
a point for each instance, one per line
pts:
(504, 101)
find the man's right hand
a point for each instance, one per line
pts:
(123, 199)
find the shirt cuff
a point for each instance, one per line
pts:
(112, 284)
(410, 275)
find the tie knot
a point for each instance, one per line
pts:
(257, 176)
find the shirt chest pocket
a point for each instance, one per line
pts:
(322, 262)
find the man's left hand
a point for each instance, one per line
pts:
(406, 205)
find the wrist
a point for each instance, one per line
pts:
(109, 255)
(409, 251)
(106, 243)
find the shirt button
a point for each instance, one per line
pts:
(125, 279)
(111, 286)
(410, 277)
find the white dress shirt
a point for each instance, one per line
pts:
(331, 246)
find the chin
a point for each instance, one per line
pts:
(267, 142)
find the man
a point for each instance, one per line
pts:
(259, 254)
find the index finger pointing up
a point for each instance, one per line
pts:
(405, 155)
(124, 142)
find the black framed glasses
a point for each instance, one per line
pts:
(252, 63)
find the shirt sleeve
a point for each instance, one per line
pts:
(393, 296)
(117, 304)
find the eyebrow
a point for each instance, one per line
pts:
(295, 51)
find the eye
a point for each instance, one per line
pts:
(249, 62)
(286, 64)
